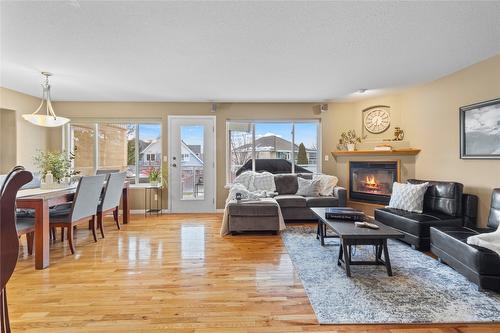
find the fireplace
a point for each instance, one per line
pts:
(372, 181)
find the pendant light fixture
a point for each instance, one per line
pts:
(49, 119)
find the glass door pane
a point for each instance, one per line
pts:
(192, 162)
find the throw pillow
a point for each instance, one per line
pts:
(244, 179)
(327, 183)
(308, 187)
(409, 197)
(262, 181)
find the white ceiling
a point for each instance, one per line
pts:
(238, 51)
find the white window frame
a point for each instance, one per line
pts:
(282, 121)
(67, 144)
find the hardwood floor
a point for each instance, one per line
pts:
(173, 273)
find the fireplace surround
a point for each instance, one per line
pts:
(371, 181)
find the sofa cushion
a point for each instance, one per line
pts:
(444, 197)
(308, 187)
(414, 223)
(408, 197)
(494, 216)
(322, 202)
(263, 181)
(453, 241)
(286, 183)
(289, 200)
(249, 209)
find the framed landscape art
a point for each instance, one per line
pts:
(480, 130)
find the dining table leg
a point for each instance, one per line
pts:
(41, 234)
(125, 205)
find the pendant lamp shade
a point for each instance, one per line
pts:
(49, 118)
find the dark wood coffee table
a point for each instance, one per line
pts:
(349, 235)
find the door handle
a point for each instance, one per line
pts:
(174, 165)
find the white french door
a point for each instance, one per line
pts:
(191, 154)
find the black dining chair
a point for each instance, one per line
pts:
(9, 240)
(83, 208)
(111, 199)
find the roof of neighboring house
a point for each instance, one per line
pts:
(153, 145)
(195, 149)
(270, 143)
(191, 152)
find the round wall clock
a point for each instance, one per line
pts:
(377, 120)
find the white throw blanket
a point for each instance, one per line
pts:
(261, 187)
(490, 240)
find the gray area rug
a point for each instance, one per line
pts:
(422, 289)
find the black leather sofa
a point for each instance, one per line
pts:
(478, 264)
(444, 205)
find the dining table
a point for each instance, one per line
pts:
(40, 200)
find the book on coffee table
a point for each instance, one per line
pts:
(344, 213)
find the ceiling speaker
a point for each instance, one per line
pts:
(323, 107)
(213, 108)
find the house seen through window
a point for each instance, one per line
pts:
(131, 147)
(294, 141)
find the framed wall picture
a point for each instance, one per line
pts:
(480, 130)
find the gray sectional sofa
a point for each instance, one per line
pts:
(296, 207)
(264, 216)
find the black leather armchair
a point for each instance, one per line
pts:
(478, 264)
(444, 205)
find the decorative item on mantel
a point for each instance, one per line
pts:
(55, 168)
(348, 140)
(383, 148)
(399, 134)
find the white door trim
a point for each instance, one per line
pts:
(214, 147)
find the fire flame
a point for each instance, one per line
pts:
(370, 180)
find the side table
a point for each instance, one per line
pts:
(157, 190)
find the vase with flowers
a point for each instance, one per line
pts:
(348, 140)
(55, 168)
(154, 176)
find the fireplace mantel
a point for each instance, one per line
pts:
(400, 151)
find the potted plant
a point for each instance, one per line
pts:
(154, 176)
(55, 165)
(348, 140)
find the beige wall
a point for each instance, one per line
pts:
(225, 111)
(29, 138)
(8, 153)
(429, 116)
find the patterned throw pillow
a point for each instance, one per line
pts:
(244, 179)
(327, 183)
(409, 197)
(308, 187)
(262, 181)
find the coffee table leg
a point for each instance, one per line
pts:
(322, 233)
(378, 253)
(339, 261)
(317, 229)
(386, 258)
(347, 259)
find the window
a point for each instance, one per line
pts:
(294, 141)
(130, 147)
(82, 137)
